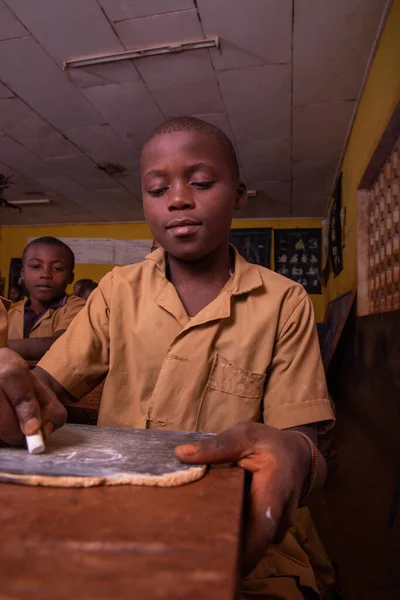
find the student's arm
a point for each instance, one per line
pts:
(34, 348)
(46, 379)
(281, 461)
(74, 365)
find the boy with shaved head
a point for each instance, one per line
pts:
(195, 338)
(47, 269)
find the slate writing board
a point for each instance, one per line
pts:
(84, 451)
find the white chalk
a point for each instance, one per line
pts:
(35, 443)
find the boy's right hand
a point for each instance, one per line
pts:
(26, 404)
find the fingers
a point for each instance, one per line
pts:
(10, 430)
(229, 446)
(27, 406)
(54, 413)
(16, 383)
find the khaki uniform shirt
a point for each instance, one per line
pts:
(53, 320)
(4, 304)
(251, 354)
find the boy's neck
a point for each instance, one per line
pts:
(38, 306)
(198, 282)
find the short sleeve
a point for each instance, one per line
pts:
(67, 313)
(296, 392)
(79, 359)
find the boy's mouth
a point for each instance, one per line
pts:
(183, 227)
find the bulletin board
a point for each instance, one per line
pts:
(298, 256)
(253, 244)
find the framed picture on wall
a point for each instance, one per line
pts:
(253, 244)
(298, 256)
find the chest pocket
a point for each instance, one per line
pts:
(232, 395)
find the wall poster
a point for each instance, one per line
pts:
(298, 256)
(253, 244)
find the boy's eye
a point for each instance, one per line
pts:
(157, 191)
(202, 185)
(58, 268)
(34, 266)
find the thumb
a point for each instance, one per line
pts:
(228, 446)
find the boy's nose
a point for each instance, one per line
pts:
(180, 200)
(45, 274)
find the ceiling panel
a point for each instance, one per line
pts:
(275, 193)
(219, 120)
(104, 146)
(17, 157)
(312, 182)
(73, 163)
(319, 130)
(251, 33)
(159, 29)
(5, 92)
(81, 195)
(97, 75)
(183, 83)
(311, 204)
(37, 80)
(258, 102)
(34, 215)
(10, 26)
(288, 120)
(314, 173)
(128, 107)
(22, 186)
(273, 200)
(68, 29)
(266, 160)
(332, 40)
(119, 10)
(27, 127)
(130, 181)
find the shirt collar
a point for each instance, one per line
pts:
(246, 277)
(55, 304)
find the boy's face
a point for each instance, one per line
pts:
(46, 272)
(189, 193)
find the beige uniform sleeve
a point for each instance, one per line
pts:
(3, 321)
(296, 392)
(79, 359)
(67, 313)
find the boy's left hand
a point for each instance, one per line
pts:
(280, 463)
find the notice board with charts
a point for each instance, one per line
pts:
(253, 244)
(298, 256)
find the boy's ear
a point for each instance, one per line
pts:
(241, 196)
(71, 278)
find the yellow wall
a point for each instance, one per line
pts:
(379, 99)
(14, 239)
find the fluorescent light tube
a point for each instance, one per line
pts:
(99, 59)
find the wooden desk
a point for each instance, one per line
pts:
(122, 542)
